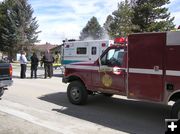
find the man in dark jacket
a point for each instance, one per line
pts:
(48, 60)
(34, 65)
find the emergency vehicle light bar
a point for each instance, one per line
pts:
(120, 40)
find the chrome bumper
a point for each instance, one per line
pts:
(5, 83)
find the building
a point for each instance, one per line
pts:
(40, 49)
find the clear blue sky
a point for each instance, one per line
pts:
(60, 19)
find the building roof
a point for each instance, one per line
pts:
(44, 47)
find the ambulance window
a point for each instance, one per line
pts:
(81, 50)
(93, 50)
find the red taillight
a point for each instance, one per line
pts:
(10, 70)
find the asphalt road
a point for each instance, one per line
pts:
(40, 106)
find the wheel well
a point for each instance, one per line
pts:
(75, 78)
(175, 97)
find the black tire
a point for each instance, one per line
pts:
(107, 94)
(1, 91)
(77, 93)
(175, 111)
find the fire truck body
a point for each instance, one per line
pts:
(147, 69)
(154, 66)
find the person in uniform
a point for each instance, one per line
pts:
(48, 60)
(57, 58)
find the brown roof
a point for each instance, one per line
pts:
(44, 47)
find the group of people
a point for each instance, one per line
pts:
(47, 60)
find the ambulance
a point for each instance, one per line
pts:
(78, 51)
(147, 69)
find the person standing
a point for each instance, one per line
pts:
(48, 60)
(23, 62)
(57, 58)
(34, 65)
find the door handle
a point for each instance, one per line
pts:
(156, 68)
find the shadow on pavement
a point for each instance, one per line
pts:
(123, 115)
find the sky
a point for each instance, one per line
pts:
(64, 19)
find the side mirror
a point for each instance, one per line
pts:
(118, 70)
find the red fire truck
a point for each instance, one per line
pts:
(147, 69)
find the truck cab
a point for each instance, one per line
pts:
(106, 75)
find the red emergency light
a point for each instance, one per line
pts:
(120, 40)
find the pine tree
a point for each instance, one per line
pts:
(120, 24)
(18, 26)
(92, 30)
(152, 15)
(7, 30)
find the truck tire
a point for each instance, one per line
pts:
(1, 91)
(77, 93)
(175, 111)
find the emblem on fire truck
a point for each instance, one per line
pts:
(107, 80)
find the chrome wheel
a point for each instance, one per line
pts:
(75, 94)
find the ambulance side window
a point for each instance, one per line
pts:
(93, 50)
(81, 50)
